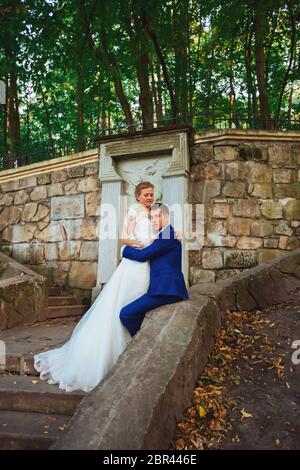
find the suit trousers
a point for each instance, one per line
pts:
(132, 315)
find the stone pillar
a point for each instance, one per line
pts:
(175, 190)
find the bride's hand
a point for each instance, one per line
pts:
(138, 244)
(178, 234)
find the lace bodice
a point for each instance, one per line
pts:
(143, 229)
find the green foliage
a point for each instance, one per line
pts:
(83, 65)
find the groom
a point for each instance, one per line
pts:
(166, 279)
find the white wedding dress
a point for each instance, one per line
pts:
(100, 337)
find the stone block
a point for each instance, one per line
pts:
(29, 211)
(89, 251)
(259, 173)
(214, 239)
(83, 274)
(198, 275)
(89, 184)
(56, 189)
(266, 255)
(292, 210)
(261, 190)
(21, 197)
(234, 189)
(21, 252)
(220, 210)
(67, 207)
(19, 233)
(225, 152)
(204, 191)
(285, 190)
(6, 199)
(76, 172)
(271, 243)
(41, 214)
(51, 251)
(283, 175)
(92, 204)
(246, 208)
(201, 153)
(27, 182)
(69, 250)
(239, 259)
(212, 259)
(252, 152)
(39, 193)
(236, 171)
(52, 233)
(59, 176)
(44, 178)
(85, 229)
(271, 210)
(282, 228)
(216, 226)
(91, 169)
(280, 155)
(249, 243)
(71, 187)
(37, 253)
(261, 228)
(239, 226)
(10, 215)
(208, 171)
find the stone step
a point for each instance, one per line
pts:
(56, 290)
(20, 430)
(66, 311)
(26, 393)
(59, 300)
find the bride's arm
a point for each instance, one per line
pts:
(128, 231)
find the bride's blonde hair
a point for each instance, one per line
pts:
(143, 185)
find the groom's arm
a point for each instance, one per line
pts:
(157, 248)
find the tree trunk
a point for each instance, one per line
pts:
(153, 36)
(292, 52)
(252, 101)
(80, 110)
(259, 26)
(107, 59)
(181, 43)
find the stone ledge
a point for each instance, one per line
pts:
(142, 398)
(223, 135)
(23, 294)
(54, 164)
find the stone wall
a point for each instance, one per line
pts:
(249, 182)
(49, 221)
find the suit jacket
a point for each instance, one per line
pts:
(164, 253)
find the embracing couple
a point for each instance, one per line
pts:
(148, 276)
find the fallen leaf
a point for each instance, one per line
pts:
(245, 414)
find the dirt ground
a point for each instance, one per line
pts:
(248, 397)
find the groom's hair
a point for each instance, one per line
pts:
(160, 205)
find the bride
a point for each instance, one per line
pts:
(100, 337)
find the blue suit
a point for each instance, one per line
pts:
(167, 283)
